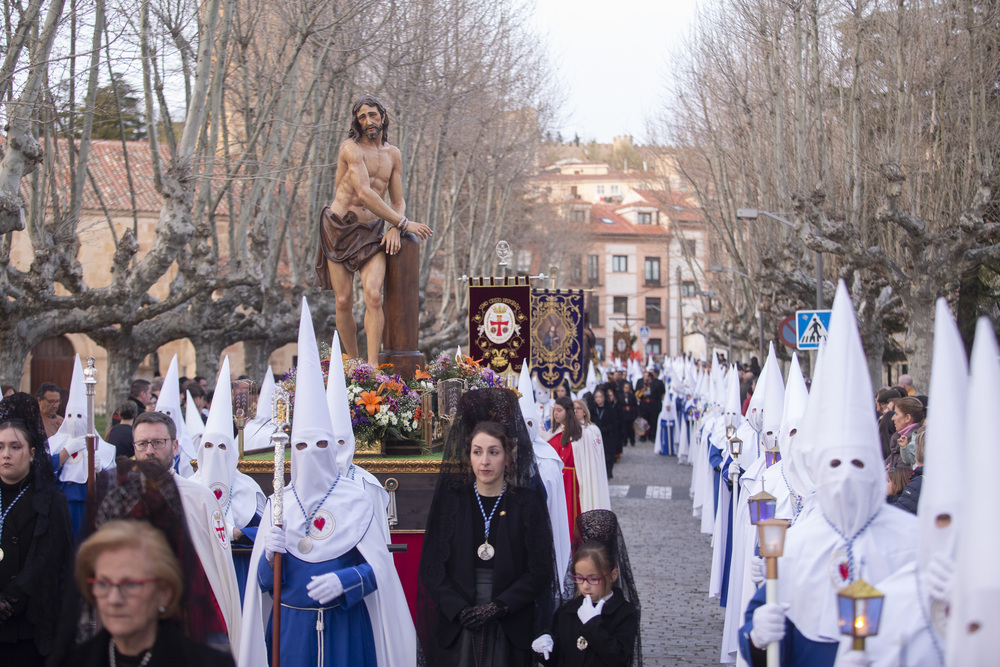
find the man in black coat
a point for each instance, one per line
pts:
(650, 391)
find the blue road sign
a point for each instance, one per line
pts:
(811, 327)
(644, 335)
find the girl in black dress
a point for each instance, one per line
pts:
(600, 626)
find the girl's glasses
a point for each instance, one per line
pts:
(593, 581)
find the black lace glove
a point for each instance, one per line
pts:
(473, 618)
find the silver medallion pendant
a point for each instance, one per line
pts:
(305, 545)
(1, 554)
(581, 643)
(485, 551)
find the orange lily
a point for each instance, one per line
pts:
(370, 401)
(469, 361)
(422, 375)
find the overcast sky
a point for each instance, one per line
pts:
(612, 58)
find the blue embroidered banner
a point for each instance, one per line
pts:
(557, 337)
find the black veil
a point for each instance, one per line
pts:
(23, 409)
(481, 405)
(602, 526)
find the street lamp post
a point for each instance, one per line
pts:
(753, 214)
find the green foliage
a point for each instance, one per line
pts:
(117, 108)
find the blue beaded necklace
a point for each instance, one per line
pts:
(796, 498)
(305, 544)
(485, 550)
(850, 542)
(3, 515)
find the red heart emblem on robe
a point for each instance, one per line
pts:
(844, 571)
(218, 493)
(319, 523)
(74, 454)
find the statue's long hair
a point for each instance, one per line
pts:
(355, 131)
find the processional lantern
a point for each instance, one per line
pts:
(762, 506)
(244, 405)
(859, 608)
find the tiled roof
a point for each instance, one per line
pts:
(610, 176)
(677, 206)
(617, 224)
(107, 167)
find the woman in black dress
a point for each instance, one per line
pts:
(35, 536)
(606, 417)
(486, 570)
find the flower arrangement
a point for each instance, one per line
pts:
(383, 405)
(466, 368)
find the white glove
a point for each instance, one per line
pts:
(543, 646)
(325, 587)
(768, 624)
(74, 445)
(758, 570)
(854, 659)
(938, 576)
(589, 610)
(274, 542)
(734, 469)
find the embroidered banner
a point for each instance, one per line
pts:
(557, 337)
(499, 322)
(623, 345)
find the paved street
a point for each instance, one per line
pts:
(670, 558)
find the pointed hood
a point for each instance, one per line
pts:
(340, 407)
(591, 384)
(218, 453)
(527, 401)
(844, 456)
(796, 396)
(192, 419)
(169, 403)
(774, 401)
(755, 408)
(314, 467)
(945, 444)
(257, 432)
(732, 409)
(74, 424)
(974, 624)
(74, 427)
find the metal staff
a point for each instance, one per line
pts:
(280, 407)
(90, 382)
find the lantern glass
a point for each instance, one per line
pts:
(735, 447)
(859, 607)
(730, 432)
(762, 506)
(771, 456)
(771, 535)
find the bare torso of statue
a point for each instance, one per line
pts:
(353, 233)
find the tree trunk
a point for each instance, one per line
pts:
(920, 336)
(207, 355)
(124, 357)
(255, 356)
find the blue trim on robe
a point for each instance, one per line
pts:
(727, 563)
(241, 562)
(667, 445)
(344, 624)
(715, 460)
(796, 650)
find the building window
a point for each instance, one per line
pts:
(652, 270)
(653, 311)
(691, 248)
(593, 269)
(615, 190)
(524, 261)
(595, 310)
(578, 215)
(645, 218)
(573, 193)
(600, 190)
(621, 305)
(575, 269)
(688, 289)
(599, 346)
(655, 346)
(619, 263)
(714, 306)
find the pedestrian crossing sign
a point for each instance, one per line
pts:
(811, 327)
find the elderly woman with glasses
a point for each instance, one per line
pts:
(128, 571)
